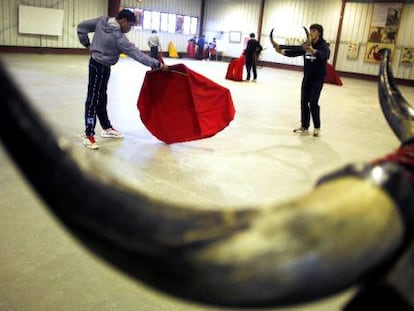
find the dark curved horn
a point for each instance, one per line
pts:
(287, 253)
(397, 111)
(308, 37)
(274, 44)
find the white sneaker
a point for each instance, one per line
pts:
(316, 132)
(90, 143)
(111, 133)
(301, 130)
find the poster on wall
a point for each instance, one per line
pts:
(352, 50)
(383, 29)
(139, 15)
(179, 24)
(407, 56)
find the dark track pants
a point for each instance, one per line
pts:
(97, 99)
(311, 91)
(154, 52)
(251, 65)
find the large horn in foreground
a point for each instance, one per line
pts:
(307, 248)
(398, 112)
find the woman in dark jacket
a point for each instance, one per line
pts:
(315, 53)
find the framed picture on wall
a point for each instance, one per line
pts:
(407, 56)
(383, 29)
(139, 15)
(352, 50)
(235, 36)
(372, 51)
(179, 24)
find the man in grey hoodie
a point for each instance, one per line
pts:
(109, 41)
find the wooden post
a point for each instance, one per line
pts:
(113, 7)
(338, 35)
(202, 9)
(259, 30)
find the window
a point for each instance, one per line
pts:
(171, 23)
(187, 25)
(165, 22)
(155, 20)
(147, 20)
(194, 24)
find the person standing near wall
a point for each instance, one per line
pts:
(252, 52)
(316, 55)
(154, 44)
(200, 47)
(191, 43)
(109, 41)
(212, 49)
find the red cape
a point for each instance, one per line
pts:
(235, 69)
(332, 76)
(191, 49)
(181, 105)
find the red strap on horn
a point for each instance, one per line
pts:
(403, 156)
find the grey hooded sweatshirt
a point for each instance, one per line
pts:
(109, 42)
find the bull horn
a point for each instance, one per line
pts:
(274, 43)
(308, 37)
(397, 111)
(301, 250)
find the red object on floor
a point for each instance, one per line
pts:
(191, 49)
(235, 69)
(332, 76)
(182, 105)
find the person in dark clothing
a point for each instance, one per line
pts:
(252, 52)
(200, 47)
(315, 53)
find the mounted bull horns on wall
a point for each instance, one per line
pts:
(355, 224)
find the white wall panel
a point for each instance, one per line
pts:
(288, 18)
(74, 11)
(221, 17)
(405, 38)
(8, 24)
(355, 27)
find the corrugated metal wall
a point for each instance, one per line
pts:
(288, 18)
(355, 29)
(223, 16)
(405, 38)
(75, 10)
